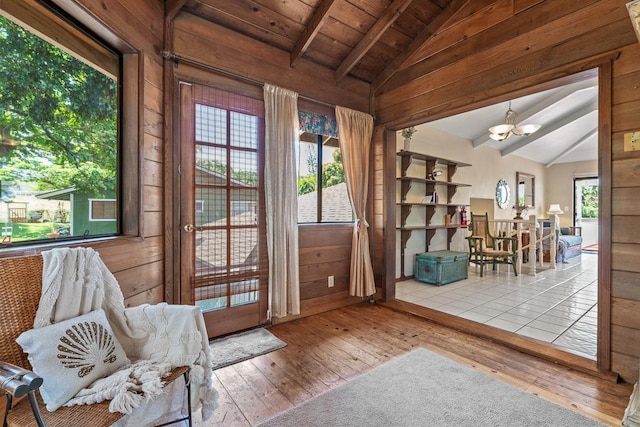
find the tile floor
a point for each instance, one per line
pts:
(556, 306)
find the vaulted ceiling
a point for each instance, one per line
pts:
(387, 42)
(366, 39)
(568, 116)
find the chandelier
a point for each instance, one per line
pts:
(511, 127)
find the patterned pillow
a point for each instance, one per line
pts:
(72, 354)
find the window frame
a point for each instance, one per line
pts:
(91, 218)
(81, 34)
(319, 143)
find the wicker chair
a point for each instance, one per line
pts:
(484, 248)
(20, 288)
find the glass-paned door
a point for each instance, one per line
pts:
(586, 198)
(223, 252)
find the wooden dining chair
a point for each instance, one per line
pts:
(485, 248)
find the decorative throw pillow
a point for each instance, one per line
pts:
(72, 354)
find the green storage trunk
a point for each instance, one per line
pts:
(441, 267)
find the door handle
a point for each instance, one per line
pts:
(189, 228)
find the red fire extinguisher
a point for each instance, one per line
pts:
(463, 218)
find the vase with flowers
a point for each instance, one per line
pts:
(407, 133)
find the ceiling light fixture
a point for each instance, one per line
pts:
(511, 127)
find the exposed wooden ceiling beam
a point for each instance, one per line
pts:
(542, 105)
(390, 15)
(494, 38)
(311, 30)
(172, 7)
(439, 22)
(546, 130)
(573, 146)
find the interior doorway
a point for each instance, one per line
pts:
(580, 279)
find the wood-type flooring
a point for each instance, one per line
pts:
(329, 349)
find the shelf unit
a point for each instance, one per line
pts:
(431, 185)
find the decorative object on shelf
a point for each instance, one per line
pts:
(634, 14)
(407, 133)
(511, 127)
(433, 174)
(520, 209)
(502, 194)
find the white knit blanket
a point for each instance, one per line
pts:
(156, 338)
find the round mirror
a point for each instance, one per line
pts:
(502, 194)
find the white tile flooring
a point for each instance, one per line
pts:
(556, 306)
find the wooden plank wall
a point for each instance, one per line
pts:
(378, 221)
(324, 249)
(531, 44)
(137, 262)
(215, 46)
(384, 210)
(519, 48)
(625, 230)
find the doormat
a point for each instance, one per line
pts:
(243, 346)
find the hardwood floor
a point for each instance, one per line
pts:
(329, 349)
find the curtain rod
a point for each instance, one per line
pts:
(177, 59)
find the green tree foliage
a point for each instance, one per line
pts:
(590, 201)
(60, 113)
(307, 184)
(249, 178)
(332, 174)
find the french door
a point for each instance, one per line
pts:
(585, 210)
(223, 246)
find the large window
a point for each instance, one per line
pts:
(322, 191)
(58, 134)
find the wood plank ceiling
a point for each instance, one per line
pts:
(366, 39)
(393, 44)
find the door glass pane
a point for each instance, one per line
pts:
(226, 196)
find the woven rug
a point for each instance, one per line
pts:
(422, 388)
(243, 346)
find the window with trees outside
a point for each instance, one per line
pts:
(59, 131)
(322, 191)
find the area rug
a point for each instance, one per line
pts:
(243, 346)
(591, 248)
(422, 388)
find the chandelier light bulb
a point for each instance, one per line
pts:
(510, 127)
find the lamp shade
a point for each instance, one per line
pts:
(555, 209)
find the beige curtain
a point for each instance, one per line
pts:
(355, 130)
(281, 196)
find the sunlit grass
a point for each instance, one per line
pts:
(29, 231)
